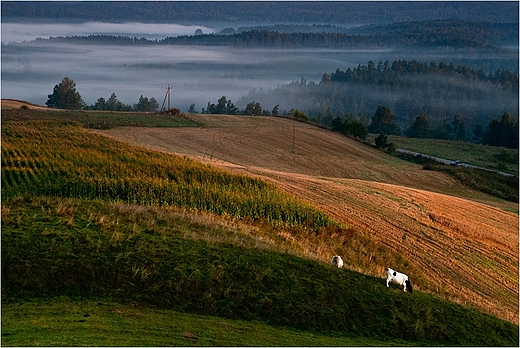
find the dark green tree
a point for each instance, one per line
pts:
(338, 124)
(209, 109)
(503, 132)
(231, 109)
(358, 129)
(253, 108)
(420, 127)
(384, 121)
(355, 128)
(297, 114)
(492, 133)
(478, 133)
(101, 104)
(381, 141)
(509, 131)
(249, 108)
(459, 128)
(442, 131)
(192, 110)
(221, 106)
(65, 96)
(146, 105)
(257, 110)
(113, 104)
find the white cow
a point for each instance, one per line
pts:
(399, 278)
(337, 261)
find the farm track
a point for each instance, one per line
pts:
(462, 244)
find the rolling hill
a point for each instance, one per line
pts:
(87, 216)
(457, 243)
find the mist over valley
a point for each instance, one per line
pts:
(382, 132)
(144, 57)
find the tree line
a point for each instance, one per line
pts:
(497, 133)
(226, 106)
(408, 88)
(454, 34)
(393, 74)
(65, 96)
(503, 132)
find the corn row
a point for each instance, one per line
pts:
(64, 160)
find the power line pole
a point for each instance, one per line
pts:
(293, 133)
(166, 96)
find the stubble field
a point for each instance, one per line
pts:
(459, 243)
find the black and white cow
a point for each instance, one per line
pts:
(399, 278)
(337, 261)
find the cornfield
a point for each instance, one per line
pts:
(61, 159)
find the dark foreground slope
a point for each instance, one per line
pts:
(80, 249)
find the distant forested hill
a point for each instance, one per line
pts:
(428, 33)
(455, 34)
(340, 13)
(408, 88)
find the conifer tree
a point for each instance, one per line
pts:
(65, 96)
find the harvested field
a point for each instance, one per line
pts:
(17, 104)
(459, 243)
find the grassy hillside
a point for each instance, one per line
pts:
(162, 258)
(492, 157)
(23, 111)
(446, 234)
(84, 216)
(66, 322)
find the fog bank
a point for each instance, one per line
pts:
(18, 32)
(197, 74)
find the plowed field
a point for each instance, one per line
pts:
(460, 243)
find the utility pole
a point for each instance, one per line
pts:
(293, 133)
(166, 96)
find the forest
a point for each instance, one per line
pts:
(344, 12)
(408, 88)
(453, 34)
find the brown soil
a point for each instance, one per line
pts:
(464, 243)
